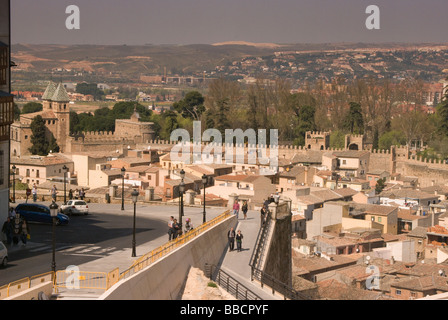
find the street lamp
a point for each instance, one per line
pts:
(204, 182)
(14, 183)
(65, 181)
(54, 213)
(123, 170)
(181, 207)
(134, 195)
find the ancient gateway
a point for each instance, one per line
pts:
(56, 115)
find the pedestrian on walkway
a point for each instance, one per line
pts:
(244, 209)
(171, 228)
(11, 213)
(231, 239)
(25, 232)
(70, 194)
(8, 230)
(82, 194)
(34, 191)
(176, 229)
(188, 225)
(239, 240)
(54, 192)
(236, 209)
(263, 213)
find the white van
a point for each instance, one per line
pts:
(3, 255)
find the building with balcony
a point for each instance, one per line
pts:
(6, 105)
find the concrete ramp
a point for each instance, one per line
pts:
(164, 279)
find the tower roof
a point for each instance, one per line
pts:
(60, 94)
(49, 91)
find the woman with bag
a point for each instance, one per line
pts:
(25, 233)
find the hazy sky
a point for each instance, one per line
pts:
(209, 21)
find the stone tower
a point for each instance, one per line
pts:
(56, 100)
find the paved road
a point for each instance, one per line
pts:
(105, 232)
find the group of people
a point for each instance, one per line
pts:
(236, 209)
(175, 228)
(15, 228)
(77, 194)
(233, 236)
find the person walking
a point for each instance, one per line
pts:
(188, 225)
(54, 192)
(70, 194)
(34, 192)
(262, 215)
(176, 229)
(25, 232)
(236, 209)
(231, 239)
(11, 213)
(244, 209)
(239, 240)
(171, 228)
(8, 230)
(82, 194)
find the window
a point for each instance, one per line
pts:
(398, 292)
(3, 63)
(2, 169)
(379, 219)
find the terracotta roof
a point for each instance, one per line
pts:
(40, 160)
(423, 283)
(238, 177)
(437, 230)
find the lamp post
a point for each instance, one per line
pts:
(181, 206)
(123, 170)
(134, 195)
(65, 181)
(54, 213)
(204, 182)
(14, 183)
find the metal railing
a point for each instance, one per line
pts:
(104, 280)
(18, 286)
(260, 242)
(277, 286)
(163, 250)
(230, 284)
(264, 278)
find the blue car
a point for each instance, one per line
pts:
(33, 212)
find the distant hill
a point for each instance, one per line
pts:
(123, 62)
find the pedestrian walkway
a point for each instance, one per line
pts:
(234, 263)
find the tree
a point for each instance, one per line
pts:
(380, 185)
(353, 121)
(391, 138)
(305, 117)
(191, 106)
(40, 145)
(38, 140)
(91, 89)
(169, 124)
(32, 107)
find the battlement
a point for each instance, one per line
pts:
(316, 134)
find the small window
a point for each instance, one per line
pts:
(398, 292)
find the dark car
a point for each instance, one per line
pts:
(33, 212)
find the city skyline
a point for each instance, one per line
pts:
(139, 22)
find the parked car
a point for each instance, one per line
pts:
(3, 255)
(75, 206)
(33, 212)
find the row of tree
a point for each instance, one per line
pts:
(387, 113)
